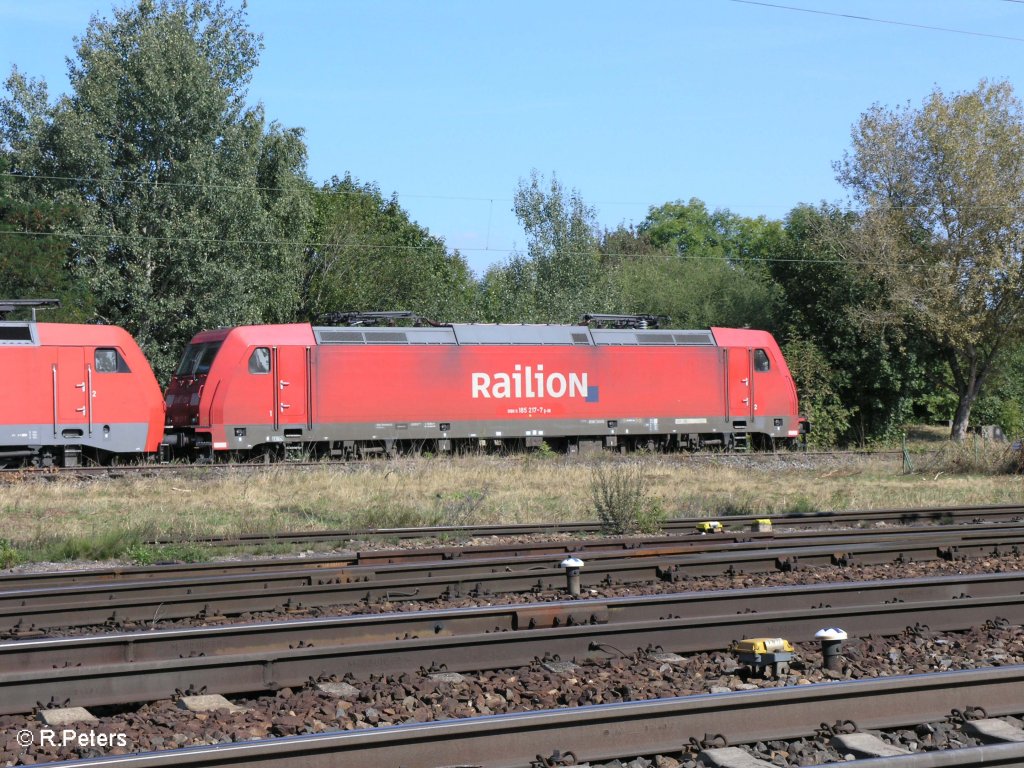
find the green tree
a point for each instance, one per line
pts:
(507, 292)
(33, 259)
(689, 229)
(875, 370)
(1002, 402)
(367, 254)
(942, 188)
(696, 267)
(816, 385)
(625, 243)
(559, 278)
(192, 208)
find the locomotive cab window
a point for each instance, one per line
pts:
(188, 360)
(761, 362)
(206, 358)
(259, 360)
(109, 361)
(197, 359)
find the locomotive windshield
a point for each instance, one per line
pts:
(197, 359)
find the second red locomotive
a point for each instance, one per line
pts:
(352, 391)
(74, 393)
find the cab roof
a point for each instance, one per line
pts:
(63, 334)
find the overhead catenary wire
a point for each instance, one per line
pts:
(749, 260)
(326, 245)
(237, 187)
(856, 17)
(491, 199)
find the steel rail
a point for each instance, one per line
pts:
(634, 545)
(169, 644)
(608, 731)
(45, 579)
(24, 611)
(503, 555)
(133, 681)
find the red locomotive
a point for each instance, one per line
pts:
(74, 392)
(351, 391)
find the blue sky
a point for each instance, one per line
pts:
(449, 104)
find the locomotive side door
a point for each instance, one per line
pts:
(739, 380)
(291, 386)
(71, 392)
(114, 400)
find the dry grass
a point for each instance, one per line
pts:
(97, 518)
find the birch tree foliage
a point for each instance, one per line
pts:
(942, 188)
(193, 208)
(559, 277)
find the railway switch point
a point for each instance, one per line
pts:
(994, 731)
(831, 642)
(730, 757)
(865, 746)
(762, 654)
(62, 716)
(208, 703)
(572, 567)
(341, 690)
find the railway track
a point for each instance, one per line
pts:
(118, 669)
(512, 551)
(317, 585)
(855, 518)
(608, 731)
(124, 668)
(677, 532)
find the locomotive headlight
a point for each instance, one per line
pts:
(239, 431)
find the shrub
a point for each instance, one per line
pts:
(459, 508)
(975, 456)
(9, 554)
(545, 451)
(622, 500)
(179, 552)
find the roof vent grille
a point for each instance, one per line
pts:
(341, 337)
